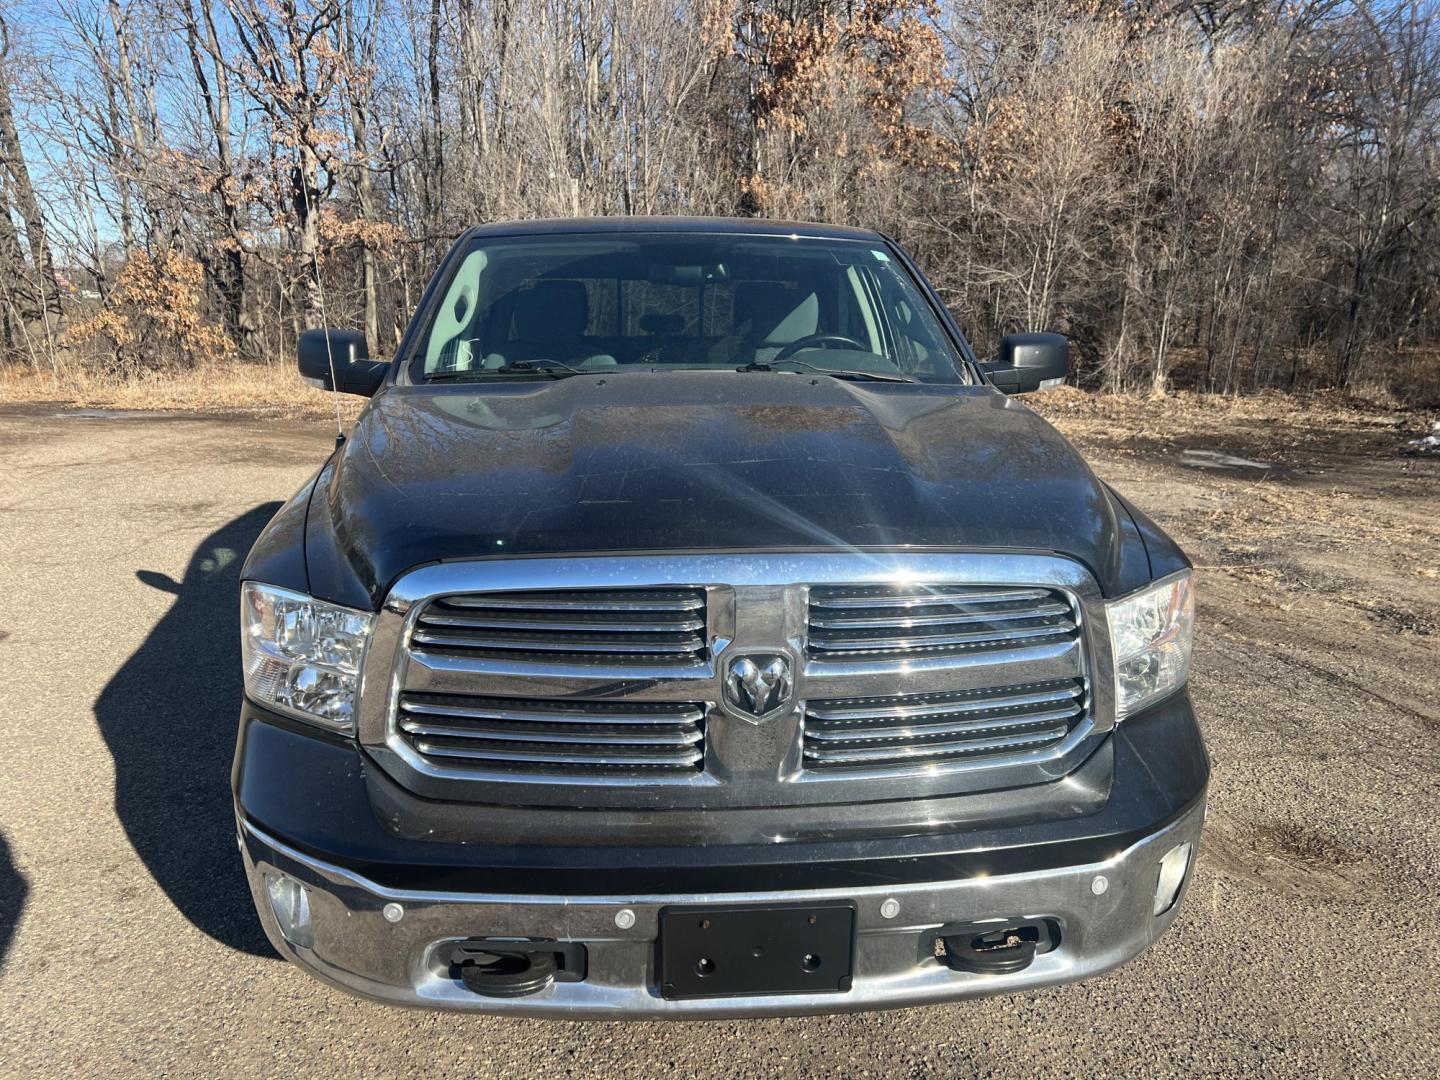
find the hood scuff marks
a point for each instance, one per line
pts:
(708, 461)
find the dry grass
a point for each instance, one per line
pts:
(1337, 492)
(1319, 433)
(252, 389)
(1271, 513)
(275, 389)
(1280, 420)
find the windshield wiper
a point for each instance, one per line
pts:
(554, 368)
(839, 373)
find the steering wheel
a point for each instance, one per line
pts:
(818, 341)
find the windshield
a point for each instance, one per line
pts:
(556, 305)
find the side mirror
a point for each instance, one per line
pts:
(354, 371)
(1029, 362)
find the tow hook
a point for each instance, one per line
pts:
(509, 968)
(995, 948)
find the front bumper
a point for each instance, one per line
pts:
(309, 806)
(1103, 909)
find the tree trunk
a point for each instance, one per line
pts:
(305, 202)
(360, 50)
(13, 284)
(22, 194)
(232, 273)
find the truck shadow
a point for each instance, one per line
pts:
(169, 718)
(12, 898)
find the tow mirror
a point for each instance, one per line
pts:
(345, 353)
(1029, 362)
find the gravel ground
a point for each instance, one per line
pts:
(1306, 946)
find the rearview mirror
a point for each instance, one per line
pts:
(1029, 362)
(354, 371)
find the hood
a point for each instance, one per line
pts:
(687, 461)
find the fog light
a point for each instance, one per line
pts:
(1172, 876)
(290, 901)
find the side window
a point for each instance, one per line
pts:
(928, 345)
(906, 323)
(911, 330)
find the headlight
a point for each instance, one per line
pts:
(1150, 634)
(302, 656)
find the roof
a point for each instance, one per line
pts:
(737, 226)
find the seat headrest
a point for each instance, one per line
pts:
(552, 311)
(661, 325)
(768, 311)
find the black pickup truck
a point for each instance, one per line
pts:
(691, 625)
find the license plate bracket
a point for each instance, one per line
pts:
(756, 949)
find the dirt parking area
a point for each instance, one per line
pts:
(1306, 946)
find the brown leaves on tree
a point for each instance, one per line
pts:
(884, 56)
(154, 313)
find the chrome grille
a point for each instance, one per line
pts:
(570, 738)
(885, 622)
(920, 729)
(610, 626)
(592, 682)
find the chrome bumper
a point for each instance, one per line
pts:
(1104, 910)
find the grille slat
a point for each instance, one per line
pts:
(930, 641)
(570, 643)
(587, 626)
(547, 622)
(586, 600)
(898, 732)
(896, 623)
(526, 711)
(865, 596)
(559, 755)
(936, 728)
(560, 738)
(589, 736)
(908, 755)
(937, 705)
(889, 621)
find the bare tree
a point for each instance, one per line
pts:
(229, 176)
(19, 195)
(357, 33)
(1229, 196)
(286, 60)
(1387, 191)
